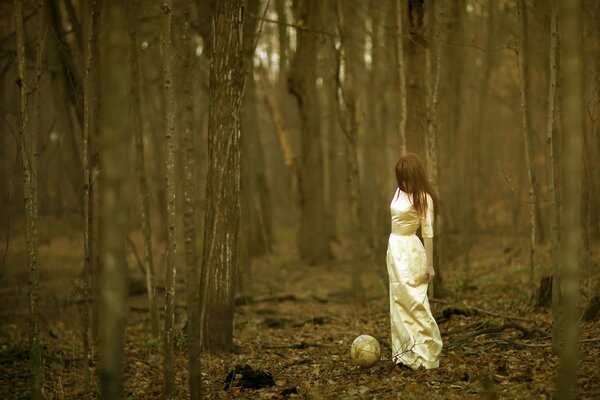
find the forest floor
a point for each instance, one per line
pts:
(297, 323)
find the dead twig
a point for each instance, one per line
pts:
(299, 346)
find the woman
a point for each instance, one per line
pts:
(416, 339)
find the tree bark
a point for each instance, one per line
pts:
(283, 41)
(435, 16)
(550, 165)
(222, 216)
(528, 143)
(401, 79)
(140, 165)
(27, 143)
(190, 176)
(90, 120)
(170, 140)
(572, 121)
(114, 216)
(452, 118)
(351, 116)
(378, 141)
(255, 224)
(313, 236)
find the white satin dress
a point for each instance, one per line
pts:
(416, 339)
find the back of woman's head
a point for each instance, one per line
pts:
(412, 179)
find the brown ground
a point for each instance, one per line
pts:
(298, 325)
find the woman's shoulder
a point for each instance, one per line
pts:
(429, 200)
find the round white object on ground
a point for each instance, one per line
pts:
(365, 351)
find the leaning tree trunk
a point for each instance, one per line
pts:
(313, 236)
(528, 142)
(170, 139)
(140, 164)
(90, 119)
(550, 162)
(572, 121)
(222, 216)
(28, 149)
(114, 217)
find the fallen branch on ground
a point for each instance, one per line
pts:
(526, 333)
(520, 343)
(463, 309)
(243, 300)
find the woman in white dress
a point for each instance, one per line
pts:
(416, 339)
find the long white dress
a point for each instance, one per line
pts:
(416, 339)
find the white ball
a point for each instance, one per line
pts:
(365, 351)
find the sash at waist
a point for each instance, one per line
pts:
(404, 230)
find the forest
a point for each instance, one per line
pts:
(195, 196)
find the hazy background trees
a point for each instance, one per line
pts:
(286, 120)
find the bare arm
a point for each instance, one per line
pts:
(428, 242)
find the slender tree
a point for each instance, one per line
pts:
(283, 41)
(313, 235)
(451, 118)
(573, 127)
(378, 141)
(401, 77)
(255, 225)
(114, 145)
(26, 143)
(222, 215)
(89, 121)
(528, 142)
(351, 118)
(554, 223)
(140, 164)
(170, 140)
(435, 16)
(190, 176)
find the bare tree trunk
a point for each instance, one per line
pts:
(349, 98)
(222, 216)
(283, 41)
(401, 79)
(377, 141)
(140, 164)
(334, 159)
(170, 140)
(452, 119)
(115, 161)
(528, 143)
(28, 149)
(435, 16)
(550, 164)
(313, 236)
(572, 121)
(90, 120)
(190, 176)
(255, 225)
(283, 136)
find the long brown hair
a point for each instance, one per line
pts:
(412, 179)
